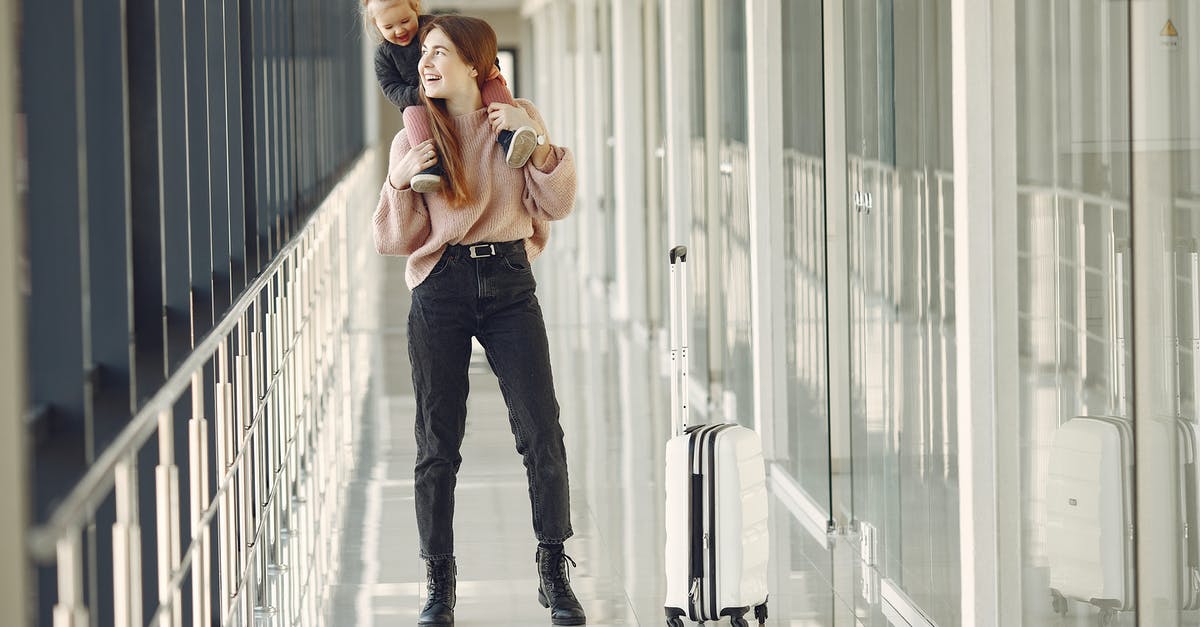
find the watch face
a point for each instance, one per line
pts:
(541, 140)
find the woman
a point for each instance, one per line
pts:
(469, 248)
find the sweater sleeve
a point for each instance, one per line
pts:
(549, 190)
(401, 219)
(391, 81)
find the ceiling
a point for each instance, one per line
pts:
(471, 6)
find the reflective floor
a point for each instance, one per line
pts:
(611, 388)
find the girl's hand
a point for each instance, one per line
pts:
(507, 117)
(418, 158)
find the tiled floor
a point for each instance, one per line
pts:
(614, 411)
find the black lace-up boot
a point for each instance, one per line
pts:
(554, 591)
(439, 608)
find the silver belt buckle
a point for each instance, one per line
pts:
(489, 251)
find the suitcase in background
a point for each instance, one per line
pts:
(1189, 449)
(1189, 500)
(716, 513)
(1090, 543)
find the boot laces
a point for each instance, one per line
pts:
(439, 582)
(560, 577)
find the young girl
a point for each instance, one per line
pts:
(469, 251)
(394, 24)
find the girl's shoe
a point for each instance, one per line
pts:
(428, 180)
(518, 145)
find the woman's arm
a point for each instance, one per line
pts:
(402, 218)
(550, 173)
(398, 91)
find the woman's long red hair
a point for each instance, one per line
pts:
(476, 44)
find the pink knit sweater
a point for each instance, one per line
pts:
(510, 204)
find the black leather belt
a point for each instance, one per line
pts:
(484, 250)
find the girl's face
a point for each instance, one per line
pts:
(397, 23)
(444, 74)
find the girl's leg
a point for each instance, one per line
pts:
(416, 120)
(518, 143)
(494, 90)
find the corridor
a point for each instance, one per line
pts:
(613, 392)
(944, 260)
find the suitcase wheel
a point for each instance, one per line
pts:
(760, 614)
(1058, 602)
(738, 621)
(674, 621)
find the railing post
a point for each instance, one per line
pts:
(167, 515)
(127, 552)
(199, 499)
(70, 610)
(226, 519)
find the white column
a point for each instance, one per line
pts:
(629, 162)
(1191, 67)
(1157, 131)
(678, 52)
(837, 251)
(764, 40)
(975, 260)
(587, 145)
(1006, 309)
(13, 491)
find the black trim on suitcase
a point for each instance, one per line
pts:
(695, 559)
(712, 519)
(1189, 489)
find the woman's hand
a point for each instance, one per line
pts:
(418, 158)
(507, 117)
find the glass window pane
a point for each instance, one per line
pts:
(804, 289)
(1073, 244)
(900, 187)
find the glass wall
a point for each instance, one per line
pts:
(157, 186)
(1164, 93)
(700, 348)
(1074, 308)
(1107, 112)
(899, 170)
(1180, 216)
(730, 225)
(806, 325)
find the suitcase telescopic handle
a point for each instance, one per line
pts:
(678, 339)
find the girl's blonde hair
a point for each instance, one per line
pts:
(367, 9)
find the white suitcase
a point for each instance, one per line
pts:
(716, 515)
(1189, 463)
(1090, 542)
(1189, 485)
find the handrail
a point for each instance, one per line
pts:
(95, 486)
(1073, 194)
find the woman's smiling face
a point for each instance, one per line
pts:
(444, 73)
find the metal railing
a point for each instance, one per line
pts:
(273, 442)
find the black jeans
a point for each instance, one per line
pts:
(493, 299)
